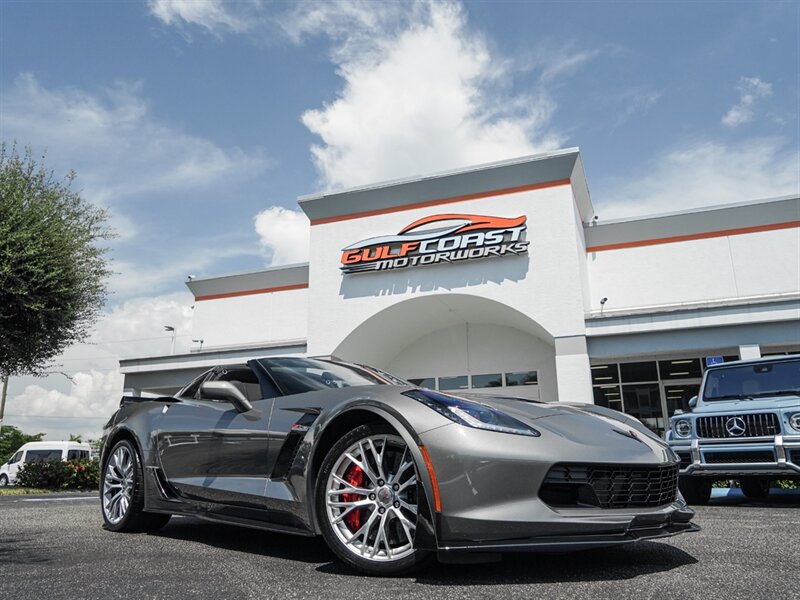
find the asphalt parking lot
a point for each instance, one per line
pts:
(56, 548)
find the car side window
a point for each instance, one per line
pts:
(193, 389)
(243, 378)
(77, 455)
(42, 456)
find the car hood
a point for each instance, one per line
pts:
(583, 424)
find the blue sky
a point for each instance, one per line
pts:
(199, 123)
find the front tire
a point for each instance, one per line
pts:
(366, 501)
(122, 492)
(756, 488)
(695, 490)
(3, 480)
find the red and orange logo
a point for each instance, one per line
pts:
(436, 239)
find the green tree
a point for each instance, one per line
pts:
(53, 265)
(12, 439)
(75, 437)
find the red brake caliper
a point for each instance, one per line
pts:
(355, 477)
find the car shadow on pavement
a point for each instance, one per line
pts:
(252, 541)
(23, 551)
(776, 498)
(607, 564)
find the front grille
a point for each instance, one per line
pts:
(686, 459)
(610, 486)
(717, 458)
(757, 425)
(795, 456)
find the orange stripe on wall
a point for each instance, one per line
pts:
(694, 236)
(281, 288)
(383, 211)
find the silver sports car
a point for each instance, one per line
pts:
(390, 474)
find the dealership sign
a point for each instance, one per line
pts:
(438, 239)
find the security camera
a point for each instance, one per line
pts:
(603, 301)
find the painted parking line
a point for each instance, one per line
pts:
(94, 497)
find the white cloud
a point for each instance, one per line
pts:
(422, 91)
(635, 100)
(422, 97)
(284, 234)
(113, 141)
(705, 173)
(213, 15)
(751, 91)
(132, 277)
(134, 328)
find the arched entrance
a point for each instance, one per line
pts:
(458, 341)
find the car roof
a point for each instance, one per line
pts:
(57, 444)
(755, 361)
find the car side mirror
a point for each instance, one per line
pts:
(692, 402)
(225, 391)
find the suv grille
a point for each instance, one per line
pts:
(610, 486)
(686, 459)
(739, 457)
(758, 425)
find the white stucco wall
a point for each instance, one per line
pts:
(709, 269)
(478, 349)
(252, 319)
(545, 284)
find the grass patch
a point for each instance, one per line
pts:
(19, 491)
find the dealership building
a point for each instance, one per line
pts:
(499, 278)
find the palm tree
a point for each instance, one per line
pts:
(75, 438)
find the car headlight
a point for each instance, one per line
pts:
(683, 427)
(471, 414)
(794, 421)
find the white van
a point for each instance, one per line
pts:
(40, 452)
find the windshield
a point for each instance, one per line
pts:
(753, 381)
(299, 375)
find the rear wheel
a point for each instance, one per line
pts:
(755, 487)
(695, 490)
(367, 502)
(122, 492)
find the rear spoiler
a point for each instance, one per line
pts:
(132, 399)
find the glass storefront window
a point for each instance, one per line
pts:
(459, 382)
(681, 368)
(605, 374)
(488, 380)
(425, 382)
(643, 401)
(608, 396)
(638, 371)
(524, 378)
(678, 396)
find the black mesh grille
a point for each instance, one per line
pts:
(739, 457)
(795, 456)
(764, 424)
(610, 486)
(686, 459)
